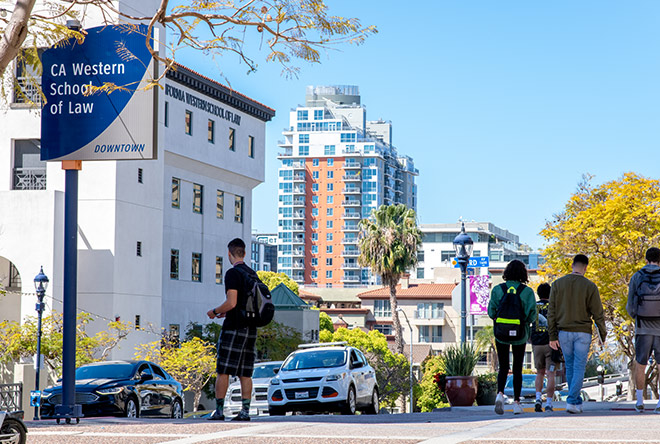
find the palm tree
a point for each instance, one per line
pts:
(485, 339)
(388, 245)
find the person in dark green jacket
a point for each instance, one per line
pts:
(515, 274)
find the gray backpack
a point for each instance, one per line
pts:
(648, 303)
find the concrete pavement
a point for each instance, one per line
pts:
(600, 423)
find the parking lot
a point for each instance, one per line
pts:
(601, 423)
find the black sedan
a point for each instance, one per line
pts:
(120, 388)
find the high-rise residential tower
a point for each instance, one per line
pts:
(337, 167)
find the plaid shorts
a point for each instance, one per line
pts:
(236, 351)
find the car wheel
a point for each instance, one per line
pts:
(14, 430)
(351, 403)
(274, 411)
(374, 407)
(177, 410)
(131, 409)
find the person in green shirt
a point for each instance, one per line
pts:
(515, 274)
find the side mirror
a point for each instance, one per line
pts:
(357, 364)
(146, 375)
(276, 370)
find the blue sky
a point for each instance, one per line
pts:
(503, 105)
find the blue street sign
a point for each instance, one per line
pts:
(474, 262)
(77, 124)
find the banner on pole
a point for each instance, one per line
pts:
(479, 294)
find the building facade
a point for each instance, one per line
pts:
(263, 252)
(152, 234)
(337, 167)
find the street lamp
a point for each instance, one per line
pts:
(40, 284)
(463, 246)
(400, 310)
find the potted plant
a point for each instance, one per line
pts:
(461, 386)
(486, 389)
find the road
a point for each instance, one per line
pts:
(475, 425)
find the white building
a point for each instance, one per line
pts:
(152, 233)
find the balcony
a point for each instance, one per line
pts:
(298, 240)
(30, 178)
(298, 227)
(352, 178)
(298, 266)
(350, 266)
(352, 166)
(428, 315)
(349, 241)
(298, 252)
(352, 190)
(351, 203)
(298, 202)
(350, 253)
(298, 190)
(298, 165)
(350, 228)
(351, 279)
(299, 177)
(351, 216)
(299, 214)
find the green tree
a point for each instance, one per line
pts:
(285, 31)
(613, 224)
(391, 368)
(388, 245)
(485, 342)
(325, 322)
(272, 280)
(19, 341)
(430, 396)
(191, 362)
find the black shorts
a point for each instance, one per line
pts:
(236, 351)
(644, 344)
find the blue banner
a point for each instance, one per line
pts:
(79, 125)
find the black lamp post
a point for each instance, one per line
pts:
(463, 246)
(40, 284)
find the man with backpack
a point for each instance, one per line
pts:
(236, 346)
(512, 309)
(644, 307)
(574, 306)
(545, 365)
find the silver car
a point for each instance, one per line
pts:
(263, 373)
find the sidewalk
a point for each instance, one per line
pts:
(559, 406)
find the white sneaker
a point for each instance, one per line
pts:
(579, 406)
(517, 408)
(657, 409)
(499, 404)
(572, 408)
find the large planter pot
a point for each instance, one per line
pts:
(461, 390)
(487, 398)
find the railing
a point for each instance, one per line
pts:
(351, 279)
(299, 202)
(351, 165)
(298, 252)
(299, 178)
(350, 266)
(351, 241)
(298, 165)
(30, 178)
(425, 314)
(351, 177)
(351, 216)
(350, 228)
(298, 190)
(352, 190)
(350, 253)
(351, 203)
(29, 91)
(11, 397)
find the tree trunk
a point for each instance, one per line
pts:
(15, 33)
(196, 398)
(398, 338)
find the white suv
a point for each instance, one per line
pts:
(324, 378)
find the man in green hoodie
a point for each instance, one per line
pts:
(574, 303)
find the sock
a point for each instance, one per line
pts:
(219, 405)
(538, 396)
(246, 405)
(639, 396)
(548, 402)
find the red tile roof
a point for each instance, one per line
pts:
(345, 310)
(414, 291)
(307, 295)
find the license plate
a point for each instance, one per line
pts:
(302, 395)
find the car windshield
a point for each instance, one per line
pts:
(315, 359)
(105, 371)
(265, 370)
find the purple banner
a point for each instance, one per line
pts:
(479, 294)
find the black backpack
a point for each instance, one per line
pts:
(259, 308)
(539, 334)
(509, 322)
(648, 302)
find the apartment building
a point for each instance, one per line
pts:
(337, 167)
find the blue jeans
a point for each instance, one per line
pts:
(575, 346)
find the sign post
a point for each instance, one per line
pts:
(79, 122)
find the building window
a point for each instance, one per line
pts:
(303, 138)
(302, 114)
(329, 150)
(385, 329)
(420, 273)
(329, 212)
(138, 249)
(196, 267)
(331, 162)
(420, 256)
(238, 209)
(430, 333)
(176, 192)
(447, 255)
(430, 310)
(175, 332)
(328, 274)
(328, 285)
(315, 261)
(328, 249)
(315, 174)
(315, 162)
(331, 187)
(382, 309)
(318, 114)
(315, 237)
(218, 270)
(167, 114)
(328, 262)
(137, 322)
(211, 131)
(198, 191)
(174, 264)
(232, 134)
(315, 199)
(189, 117)
(315, 187)
(328, 224)
(220, 204)
(303, 150)
(140, 175)
(331, 199)
(328, 236)
(315, 274)
(251, 147)
(315, 249)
